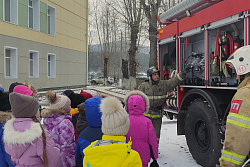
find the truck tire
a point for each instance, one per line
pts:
(202, 134)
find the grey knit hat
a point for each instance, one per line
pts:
(115, 121)
(23, 106)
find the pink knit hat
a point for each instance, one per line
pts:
(58, 101)
(23, 90)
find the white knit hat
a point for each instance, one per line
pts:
(58, 101)
(115, 121)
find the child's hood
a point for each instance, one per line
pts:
(134, 105)
(20, 131)
(92, 110)
(19, 134)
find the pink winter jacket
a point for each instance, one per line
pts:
(23, 142)
(141, 129)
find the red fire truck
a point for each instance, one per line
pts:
(202, 34)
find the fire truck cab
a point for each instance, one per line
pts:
(202, 34)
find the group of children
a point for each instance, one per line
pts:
(111, 133)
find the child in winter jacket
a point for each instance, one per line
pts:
(4, 157)
(4, 101)
(27, 143)
(112, 150)
(93, 132)
(141, 130)
(75, 99)
(4, 116)
(82, 122)
(57, 120)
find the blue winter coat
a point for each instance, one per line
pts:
(93, 132)
(4, 157)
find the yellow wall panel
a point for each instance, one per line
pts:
(84, 3)
(78, 9)
(63, 41)
(71, 30)
(78, 33)
(59, 12)
(63, 15)
(85, 13)
(82, 35)
(8, 29)
(84, 48)
(24, 34)
(64, 3)
(71, 6)
(58, 26)
(84, 24)
(64, 28)
(71, 18)
(56, 1)
(78, 1)
(78, 21)
(72, 42)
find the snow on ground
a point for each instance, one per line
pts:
(173, 148)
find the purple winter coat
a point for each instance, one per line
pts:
(58, 123)
(141, 129)
(23, 142)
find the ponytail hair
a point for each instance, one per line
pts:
(45, 157)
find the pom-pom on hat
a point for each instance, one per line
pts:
(115, 119)
(24, 90)
(23, 106)
(58, 101)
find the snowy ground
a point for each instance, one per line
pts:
(173, 148)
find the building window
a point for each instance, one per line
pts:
(51, 65)
(31, 14)
(51, 20)
(10, 62)
(33, 64)
(10, 11)
(34, 14)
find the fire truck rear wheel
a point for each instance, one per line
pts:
(202, 134)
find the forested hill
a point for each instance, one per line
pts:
(96, 63)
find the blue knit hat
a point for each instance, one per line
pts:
(92, 110)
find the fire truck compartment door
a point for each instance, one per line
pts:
(167, 40)
(191, 32)
(226, 21)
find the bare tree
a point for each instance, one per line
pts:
(131, 11)
(105, 26)
(151, 8)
